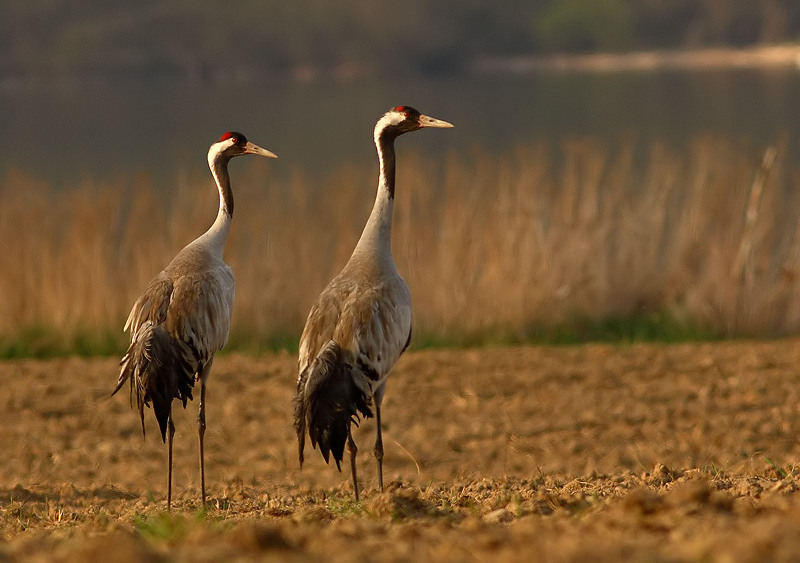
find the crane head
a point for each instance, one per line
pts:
(233, 144)
(403, 119)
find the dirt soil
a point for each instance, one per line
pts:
(598, 452)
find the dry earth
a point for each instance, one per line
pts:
(639, 453)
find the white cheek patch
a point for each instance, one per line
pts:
(390, 118)
(219, 147)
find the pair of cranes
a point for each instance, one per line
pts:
(354, 334)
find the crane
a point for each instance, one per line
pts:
(183, 316)
(360, 324)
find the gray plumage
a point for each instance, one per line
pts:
(177, 325)
(183, 316)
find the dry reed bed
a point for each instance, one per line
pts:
(496, 248)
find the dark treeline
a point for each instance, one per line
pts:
(205, 40)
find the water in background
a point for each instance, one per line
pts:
(72, 131)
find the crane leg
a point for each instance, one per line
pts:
(201, 430)
(379, 447)
(170, 435)
(351, 447)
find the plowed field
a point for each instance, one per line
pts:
(597, 452)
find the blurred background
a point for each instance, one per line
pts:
(93, 87)
(586, 190)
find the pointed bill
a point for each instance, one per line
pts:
(252, 148)
(427, 121)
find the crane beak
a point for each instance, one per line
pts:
(427, 121)
(252, 148)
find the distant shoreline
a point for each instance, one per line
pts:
(783, 57)
(771, 56)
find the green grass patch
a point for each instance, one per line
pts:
(779, 471)
(345, 505)
(253, 343)
(44, 342)
(654, 327)
(48, 342)
(162, 526)
(174, 527)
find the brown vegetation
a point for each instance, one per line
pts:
(505, 248)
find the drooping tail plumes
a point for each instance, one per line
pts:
(159, 370)
(331, 395)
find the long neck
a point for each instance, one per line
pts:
(217, 234)
(377, 234)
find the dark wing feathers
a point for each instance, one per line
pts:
(352, 338)
(181, 319)
(331, 395)
(160, 369)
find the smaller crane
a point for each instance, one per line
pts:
(183, 317)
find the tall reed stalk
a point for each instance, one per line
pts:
(494, 248)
